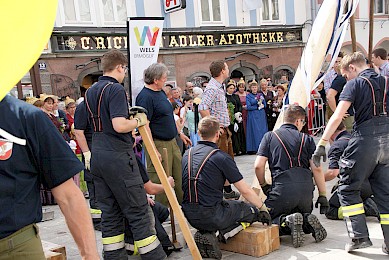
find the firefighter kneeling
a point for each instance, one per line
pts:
(205, 169)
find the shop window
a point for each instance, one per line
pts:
(76, 11)
(381, 6)
(114, 10)
(210, 11)
(270, 10)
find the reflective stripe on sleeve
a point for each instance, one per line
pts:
(353, 210)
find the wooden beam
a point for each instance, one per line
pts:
(353, 36)
(36, 80)
(371, 28)
(20, 89)
(152, 150)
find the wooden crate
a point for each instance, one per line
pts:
(256, 240)
(53, 251)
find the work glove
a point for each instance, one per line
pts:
(320, 152)
(140, 118)
(266, 188)
(236, 127)
(139, 114)
(324, 205)
(87, 156)
(137, 109)
(263, 215)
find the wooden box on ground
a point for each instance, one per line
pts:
(53, 251)
(256, 240)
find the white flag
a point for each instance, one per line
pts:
(145, 38)
(251, 4)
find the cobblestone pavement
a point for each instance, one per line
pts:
(332, 247)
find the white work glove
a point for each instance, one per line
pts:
(87, 156)
(140, 118)
(238, 117)
(236, 127)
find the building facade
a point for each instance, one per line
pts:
(264, 42)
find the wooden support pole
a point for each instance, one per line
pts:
(20, 89)
(353, 35)
(165, 160)
(152, 150)
(371, 28)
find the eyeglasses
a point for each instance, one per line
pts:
(303, 121)
(125, 68)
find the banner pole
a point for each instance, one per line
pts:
(129, 65)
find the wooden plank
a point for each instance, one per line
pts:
(256, 240)
(152, 150)
(53, 251)
(175, 243)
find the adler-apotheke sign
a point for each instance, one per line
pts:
(66, 42)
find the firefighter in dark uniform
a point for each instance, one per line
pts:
(113, 164)
(205, 169)
(84, 131)
(32, 152)
(290, 196)
(366, 155)
(339, 143)
(161, 213)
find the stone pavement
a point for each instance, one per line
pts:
(332, 247)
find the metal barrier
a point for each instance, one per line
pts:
(316, 116)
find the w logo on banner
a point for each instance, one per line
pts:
(151, 35)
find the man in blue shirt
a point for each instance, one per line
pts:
(162, 126)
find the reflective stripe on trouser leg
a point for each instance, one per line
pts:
(353, 210)
(234, 231)
(95, 213)
(351, 215)
(113, 243)
(384, 219)
(147, 245)
(131, 247)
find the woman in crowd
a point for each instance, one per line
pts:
(235, 111)
(256, 119)
(278, 102)
(269, 96)
(188, 115)
(242, 97)
(70, 106)
(48, 108)
(179, 124)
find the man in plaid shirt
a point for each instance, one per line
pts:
(214, 103)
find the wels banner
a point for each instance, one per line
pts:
(145, 35)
